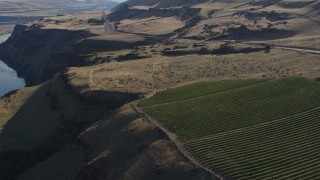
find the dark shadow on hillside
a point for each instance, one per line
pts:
(37, 54)
(269, 15)
(124, 12)
(160, 3)
(51, 118)
(243, 33)
(264, 3)
(32, 50)
(295, 4)
(88, 46)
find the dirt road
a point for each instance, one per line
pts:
(309, 50)
(174, 139)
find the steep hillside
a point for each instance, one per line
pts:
(126, 146)
(38, 51)
(38, 122)
(56, 130)
(40, 59)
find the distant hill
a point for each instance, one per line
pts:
(226, 19)
(40, 8)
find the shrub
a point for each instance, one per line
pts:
(267, 48)
(96, 21)
(224, 49)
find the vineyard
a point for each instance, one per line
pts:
(246, 129)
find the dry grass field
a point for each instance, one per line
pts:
(151, 26)
(160, 72)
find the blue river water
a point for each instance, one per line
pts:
(9, 80)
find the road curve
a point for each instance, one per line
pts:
(309, 50)
(174, 139)
(292, 48)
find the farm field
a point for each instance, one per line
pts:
(258, 128)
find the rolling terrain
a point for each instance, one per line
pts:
(279, 22)
(229, 88)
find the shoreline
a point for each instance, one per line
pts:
(9, 75)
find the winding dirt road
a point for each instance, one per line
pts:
(174, 139)
(309, 50)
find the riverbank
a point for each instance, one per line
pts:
(9, 79)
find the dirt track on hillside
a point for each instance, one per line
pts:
(174, 139)
(309, 50)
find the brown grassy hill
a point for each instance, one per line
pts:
(286, 22)
(56, 131)
(124, 146)
(37, 123)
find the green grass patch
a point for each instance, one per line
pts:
(246, 129)
(196, 90)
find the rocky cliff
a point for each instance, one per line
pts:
(38, 53)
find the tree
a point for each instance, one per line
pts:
(267, 48)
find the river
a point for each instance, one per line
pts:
(9, 80)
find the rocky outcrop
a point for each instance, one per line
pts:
(38, 53)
